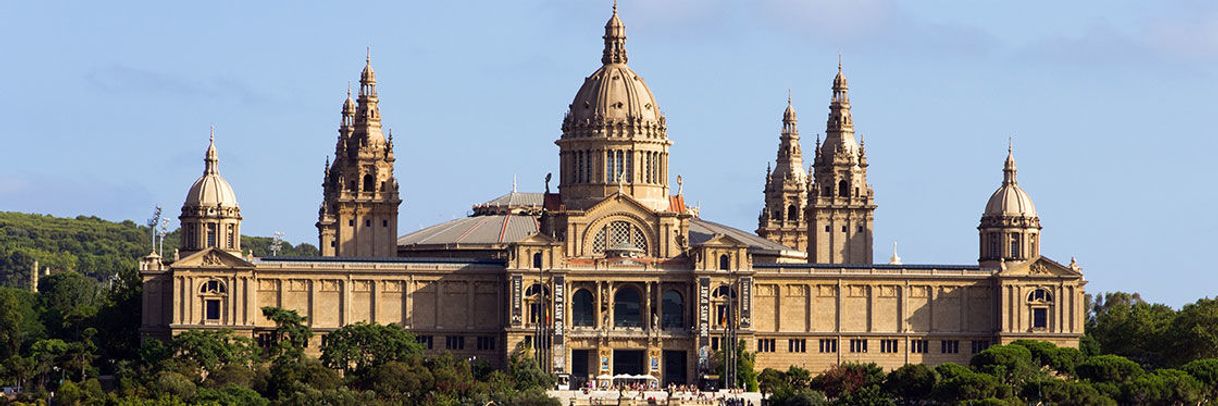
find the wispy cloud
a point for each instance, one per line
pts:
(118, 79)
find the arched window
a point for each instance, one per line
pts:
(619, 235)
(582, 309)
(725, 262)
(721, 300)
(843, 188)
(792, 213)
(535, 298)
(1016, 252)
(1040, 295)
(368, 183)
(1039, 301)
(777, 215)
(214, 287)
(627, 307)
(674, 310)
(537, 260)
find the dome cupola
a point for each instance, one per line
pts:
(211, 217)
(1010, 227)
(614, 136)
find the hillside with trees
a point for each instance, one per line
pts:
(91, 246)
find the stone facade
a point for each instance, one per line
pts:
(613, 273)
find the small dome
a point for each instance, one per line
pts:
(614, 92)
(1010, 200)
(211, 189)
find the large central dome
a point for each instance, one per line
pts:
(614, 137)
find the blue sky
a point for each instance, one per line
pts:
(106, 110)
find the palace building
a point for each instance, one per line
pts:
(608, 271)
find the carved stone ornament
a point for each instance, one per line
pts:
(1040, 269)
(212, 259)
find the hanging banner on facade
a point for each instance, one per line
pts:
(560, 307)
(746, 302)
(703, 323)
(517, 285)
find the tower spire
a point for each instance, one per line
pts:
(1008, 167)
(615, 40)
(211, 161)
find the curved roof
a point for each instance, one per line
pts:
(702, 230)
(1010, 200)
(211, 189)
(476, 230)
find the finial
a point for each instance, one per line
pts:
(513, 183)
(895, 259)
(368, 55)
(839, 61)
(548, 176)
(348, 89)
(614, 6)
(788, 96)
(1010, 145)
(212, 137)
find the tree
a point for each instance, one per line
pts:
(1206, 372)
(1012, 364)
(842, 380)
(1124, 324)
(1046, 354)
(69, 299)
(912, 383)
(771, 380)
(746, 374)
(1061, 392)
(357, 347)
(1163, 387)
(291, 334)
(230, 395)
(1194, 332)
(19, 324)
(1108, 368)
(524, 370)
(962, 384)
(203, 352)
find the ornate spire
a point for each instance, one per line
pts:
(1008, 168)
(211, 162)
(367, 78)
(615, 40)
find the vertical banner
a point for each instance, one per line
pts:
(560, 313)
(517, 284)
(704, 322)
(746, 302)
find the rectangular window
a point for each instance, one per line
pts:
(919, 346)
(367, 223)
(629, 167)
(350, 222)
(715, 343)
(384, 223)
(211, 235)
(980, 345)
(828, 345)
(486, 343)
(454, 343)
(843, 229)
(265, 341)
(1040, 318)
(231, 237)
(213, 309)
(888, 346)
(425, 340)
(858, 345)
(765, 345)
(797, 345)
(949, 346)
(1015, 247)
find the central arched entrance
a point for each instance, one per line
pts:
(630, 362)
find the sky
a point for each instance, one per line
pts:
(106, 108)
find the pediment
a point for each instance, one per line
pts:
(538, 238)
(620, 203)
(212, 258)
(723, 240)
(1042, 267)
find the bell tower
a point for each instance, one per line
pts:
(359, 212)
(786, 190)
(841, 204)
